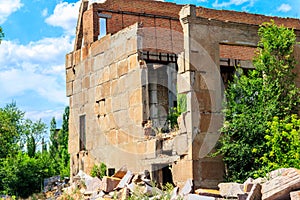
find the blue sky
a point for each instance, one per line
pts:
(38, 34)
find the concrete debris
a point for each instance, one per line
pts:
(209, 192)
(54, 186)
(187, 188)
(109, 183)
(295, 195)
(281, 186)
(284, 184)
(231, 189)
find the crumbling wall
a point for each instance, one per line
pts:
(105, 85)
(121, 14)
(200, 66)
(206, 41)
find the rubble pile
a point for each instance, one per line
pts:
(279, 185)
(53, 187)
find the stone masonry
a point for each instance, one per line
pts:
(130, 61)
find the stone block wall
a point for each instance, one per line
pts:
(104, 83)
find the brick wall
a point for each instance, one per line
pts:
(247, 18)
(237, 52)
(125, 13)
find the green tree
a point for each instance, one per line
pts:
(59, 145)
(34, 133)
(1, 34)
(53, 138)
(254, 99)
(11, 119)
(63, 137)
(21, 172)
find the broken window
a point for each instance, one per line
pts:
(162, 80)
(228, 69)
(82, 133)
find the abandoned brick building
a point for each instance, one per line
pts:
(131, 58)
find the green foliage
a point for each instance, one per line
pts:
(23, 175)
(283, 142)
(1, 34)
(11, 119)
(99, 170)
(253, 100)
(53, 138)
(175, 112)
(59, 145)
(181, 103)
(22, 167)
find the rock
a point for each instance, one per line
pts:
(281, 186)
(248, 185)
(174, 193)
(124, 193)
(120, 173)
(255, 192)
(125, 180)
(295, 195)
(198, 197)
(187, 188)
(92, 185)
(109, 183)
(260, 180)
(277, 172)
(231, 189)
(208, 192)
(242, 196)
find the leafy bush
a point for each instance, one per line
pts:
(99, 170)
(283, 142)
(254, 99)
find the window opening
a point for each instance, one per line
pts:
(103, 30)
(82, 132)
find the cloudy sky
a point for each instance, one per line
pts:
(38, 34)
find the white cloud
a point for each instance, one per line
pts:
(65, 16)
(42, 52)
(247, 3)
(37, 67)
(44, 12)
(284, 8)
(45, 115)
(7, 7)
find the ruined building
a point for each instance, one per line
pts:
(130, 62)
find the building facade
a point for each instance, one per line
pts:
(131, 62)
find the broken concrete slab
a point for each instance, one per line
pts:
(109, 183)
(125, 180)
(198, 197)
(120, 173)
(255, 192)
(231, 189)
(187, 188)
(281, 186)
(295, 195)
(208, 192)
(92, 185)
